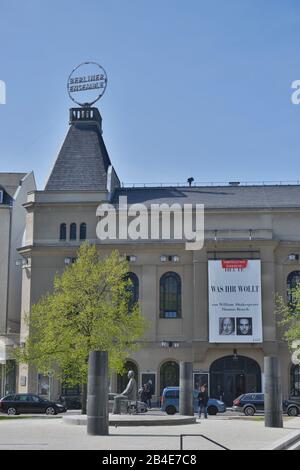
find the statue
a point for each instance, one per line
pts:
(130, 390)
(129, 394)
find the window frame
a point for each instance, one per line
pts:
(165, 291)
(73, 226)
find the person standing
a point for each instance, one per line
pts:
(202, 401)
(144, 394)
(149, 392)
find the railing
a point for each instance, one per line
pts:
(204, 437)
(212, 183)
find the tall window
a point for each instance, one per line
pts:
(63, 232)
(292, 280)
(295, 380)
(73, 234)
(82, 234)
(170, 295)
(133, 289)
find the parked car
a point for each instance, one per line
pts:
(170, 402)
(251, 403)
(142, 407)
(15, 404)
(70, 402)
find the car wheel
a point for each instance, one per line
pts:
(293, 411)
(12, 411)
(212, 410)
(249, 411)
(50, 410)
(170, 410)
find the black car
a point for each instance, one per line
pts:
(251, 403)
(70, 402)
(15, 404)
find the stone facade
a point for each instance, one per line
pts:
(240, 223)
(14, 188)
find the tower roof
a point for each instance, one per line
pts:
(83, 161)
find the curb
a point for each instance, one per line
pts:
(134, 421)
(291, 442)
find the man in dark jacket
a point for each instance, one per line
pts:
(202, 401)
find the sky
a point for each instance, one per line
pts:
(199, 88)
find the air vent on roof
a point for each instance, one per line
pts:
(234, 183)
(1, 197)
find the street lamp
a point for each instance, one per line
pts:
(169, 344)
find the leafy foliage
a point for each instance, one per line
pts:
(90, 309)
(289, 313)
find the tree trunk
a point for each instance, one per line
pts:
(84, 398)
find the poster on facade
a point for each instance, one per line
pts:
(234, 301)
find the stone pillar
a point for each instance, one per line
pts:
(97, 402)
(273, 394)
(186, 398)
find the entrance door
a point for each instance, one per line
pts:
(231, 377)
(169, 375)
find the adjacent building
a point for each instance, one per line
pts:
(13, 194)
(252, 236)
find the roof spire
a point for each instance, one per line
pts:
(82, 163)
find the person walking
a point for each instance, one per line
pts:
(202, 401)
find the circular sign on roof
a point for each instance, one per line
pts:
(87, 83)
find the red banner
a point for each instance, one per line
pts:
(234, 263)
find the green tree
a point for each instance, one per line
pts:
(90, 309)
(289, 313)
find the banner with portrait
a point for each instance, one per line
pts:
(234, 295)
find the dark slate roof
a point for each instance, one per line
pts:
(216, 197)
(82, 162)
(7, 199)
(11, 181)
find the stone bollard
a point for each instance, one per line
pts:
(97, 401)
(272, 393)
(186, 392)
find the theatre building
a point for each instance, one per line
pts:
(213, 306)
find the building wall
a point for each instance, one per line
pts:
(5, 218)
(271, 240)
(18, 225)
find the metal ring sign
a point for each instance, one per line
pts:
(87, 83)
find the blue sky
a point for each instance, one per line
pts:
(196, 88)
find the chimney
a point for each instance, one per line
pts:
(86, 114)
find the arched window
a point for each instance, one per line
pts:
(73, 230)
(170, 295)
(63, 232)
(82, 235)
(292, 280)
(133, 288)
(295, 381)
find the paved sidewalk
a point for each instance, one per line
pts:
(54, 434)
